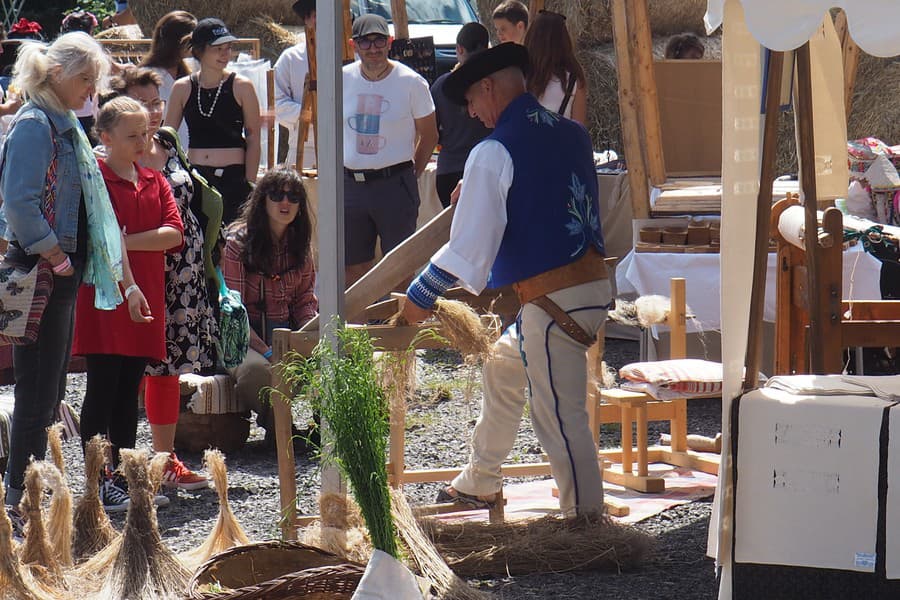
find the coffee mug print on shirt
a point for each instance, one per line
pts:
(367, 122)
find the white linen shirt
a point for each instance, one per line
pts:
(290, 74)
(480, 217)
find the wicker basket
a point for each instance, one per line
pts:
(228, 432)
(276, 571)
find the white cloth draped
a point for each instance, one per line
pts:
(788, 24)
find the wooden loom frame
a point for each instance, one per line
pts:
(871, 323)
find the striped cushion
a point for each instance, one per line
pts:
(213, 395)
(687, 377)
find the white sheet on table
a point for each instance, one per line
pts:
(644, 273)
(807, 480)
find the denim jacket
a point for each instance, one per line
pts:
(27, 153)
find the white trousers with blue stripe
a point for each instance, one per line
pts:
(554, 381)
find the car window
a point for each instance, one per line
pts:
(419, 11)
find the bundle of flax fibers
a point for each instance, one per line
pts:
(227, 532)
(340, 529)
(144, 568)
(93, 531)
(16, 580)
(37, 552)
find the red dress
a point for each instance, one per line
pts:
(148, 206)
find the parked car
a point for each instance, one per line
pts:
(439, 19)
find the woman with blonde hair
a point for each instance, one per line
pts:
(54, 204)
(556, 78)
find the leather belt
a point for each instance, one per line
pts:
(565, 322)
(366, 175)
(590, 267)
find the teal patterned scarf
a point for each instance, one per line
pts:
(103, 269)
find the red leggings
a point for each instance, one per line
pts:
(162, 399)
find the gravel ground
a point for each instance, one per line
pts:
(437, 436)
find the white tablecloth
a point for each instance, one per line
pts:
(645, 273)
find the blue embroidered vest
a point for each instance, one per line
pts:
(551, 208)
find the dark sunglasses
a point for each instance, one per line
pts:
(292, 197)
(366, 43)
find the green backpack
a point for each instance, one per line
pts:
(234, 326)
(209, 208)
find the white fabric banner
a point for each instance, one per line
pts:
(741, 101)
(787, 24)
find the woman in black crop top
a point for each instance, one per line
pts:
(222, 115)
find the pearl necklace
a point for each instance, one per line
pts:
(215, 99)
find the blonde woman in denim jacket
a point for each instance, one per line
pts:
(56, 79)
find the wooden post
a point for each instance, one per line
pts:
(281, 410)
(400, 19)
(850, 52)
(645, 84)
(309, 113)
(677, 319)
(270, 99)
(628, 113)
(763, 218)
(830, 296)
(535, 6)
(807, 155)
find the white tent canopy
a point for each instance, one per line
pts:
(779, 25)
(787, 24)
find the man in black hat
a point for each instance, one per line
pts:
(527, 216)
(291, 70)
(389, 135)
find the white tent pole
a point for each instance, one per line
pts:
(330, 50)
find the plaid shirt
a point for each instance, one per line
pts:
(289, 296)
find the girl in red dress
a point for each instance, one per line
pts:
(117, 348)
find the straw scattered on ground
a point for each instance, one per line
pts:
(227, 532)
(426, 557)
(546, 545)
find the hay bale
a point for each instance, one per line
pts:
(875, 110)
(236, 15)
(591, 21)
(273, 38)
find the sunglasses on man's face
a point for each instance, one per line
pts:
(292, 197)
(366, 43)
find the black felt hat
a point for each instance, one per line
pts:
(304, 8)
(480, 65)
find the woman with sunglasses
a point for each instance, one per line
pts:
(191, 327)
(268, 260)
(556, 78)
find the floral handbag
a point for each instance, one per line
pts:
(26, 285)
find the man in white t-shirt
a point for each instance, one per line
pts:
(389, 134)
(291, 69)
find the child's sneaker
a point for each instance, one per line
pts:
(18, 523)
(177, 475)
(114, 498)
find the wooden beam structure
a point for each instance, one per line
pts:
(850, 53)
(641, 41)
(400, 19)
(629, 112)
(763, 218)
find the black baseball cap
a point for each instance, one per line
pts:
(368, 24)
(482, 64)
(211, 32)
